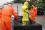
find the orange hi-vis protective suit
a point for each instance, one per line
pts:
(5, 17)
(33, 13)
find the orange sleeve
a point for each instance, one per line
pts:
(14, 13)
(12, 10)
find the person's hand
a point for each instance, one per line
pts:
(16, 18)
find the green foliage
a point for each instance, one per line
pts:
(37, 3)
(21, 1)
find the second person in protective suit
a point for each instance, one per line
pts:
(25, 18)
(33, 13)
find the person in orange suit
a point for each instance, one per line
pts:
(33, 13)
(5, 17)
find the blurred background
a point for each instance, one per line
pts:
(40, 6)
(39, 3)
(17, 4)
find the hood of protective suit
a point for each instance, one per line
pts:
(26, 4)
